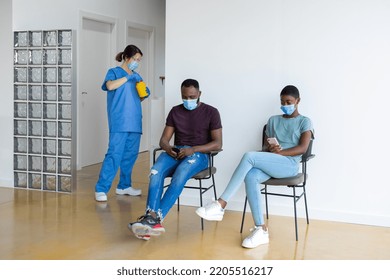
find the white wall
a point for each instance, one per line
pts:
(65, 14)
(243, 53)
(7, 97)
(336, 52)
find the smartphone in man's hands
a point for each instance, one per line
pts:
(176, 150)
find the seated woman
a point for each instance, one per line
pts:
(278, 160)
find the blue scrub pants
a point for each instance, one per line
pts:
(123, 149)
(256, 168)
(181, 171)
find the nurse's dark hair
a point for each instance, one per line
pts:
(129, 51)
(190, 83)
(290, 90)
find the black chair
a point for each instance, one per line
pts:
(296, 184)
(206, 174)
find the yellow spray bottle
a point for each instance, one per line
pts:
(141, 89)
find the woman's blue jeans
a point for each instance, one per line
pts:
(256, 168)
(180, 170)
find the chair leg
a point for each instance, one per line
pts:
(295, 214)
(266, 201)
(243, 215)
(201, 201)
(307, 213)
(178, 204)
(215, 191)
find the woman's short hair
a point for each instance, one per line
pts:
(290, 90)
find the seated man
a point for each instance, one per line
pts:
(197, 128)
(279, 159)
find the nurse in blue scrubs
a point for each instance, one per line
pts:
(124, 122)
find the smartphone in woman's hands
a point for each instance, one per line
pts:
(272, 141)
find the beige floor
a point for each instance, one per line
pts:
(46, 225)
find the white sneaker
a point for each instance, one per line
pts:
(100, 196)
(129, 191)
(211, 212)
(256, 238)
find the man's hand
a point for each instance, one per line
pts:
(173, 152)
(181, 153)
(185, 152)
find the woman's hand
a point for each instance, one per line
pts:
(273, 148)
(133, 77)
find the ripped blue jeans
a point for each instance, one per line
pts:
(180, 170)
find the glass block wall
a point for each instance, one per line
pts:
(43, 148)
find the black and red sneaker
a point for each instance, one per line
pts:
(147, 225)
(143, 237)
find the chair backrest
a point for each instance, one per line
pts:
(308, 154)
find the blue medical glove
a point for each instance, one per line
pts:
(138, 77)
(148, 91)
(135, 77)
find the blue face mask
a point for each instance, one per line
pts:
(133, 65)
(288, 109)
(190, 104)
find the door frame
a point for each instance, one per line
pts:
(113, 45)
(150, 66)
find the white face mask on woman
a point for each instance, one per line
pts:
(288, 109)
(133, 65)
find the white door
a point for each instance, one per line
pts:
(142, 38)
(95, 58)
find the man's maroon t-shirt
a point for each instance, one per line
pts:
(192, 128)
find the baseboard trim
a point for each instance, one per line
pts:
(6, 183)
(287, 210)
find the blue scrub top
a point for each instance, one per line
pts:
(123, 104)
